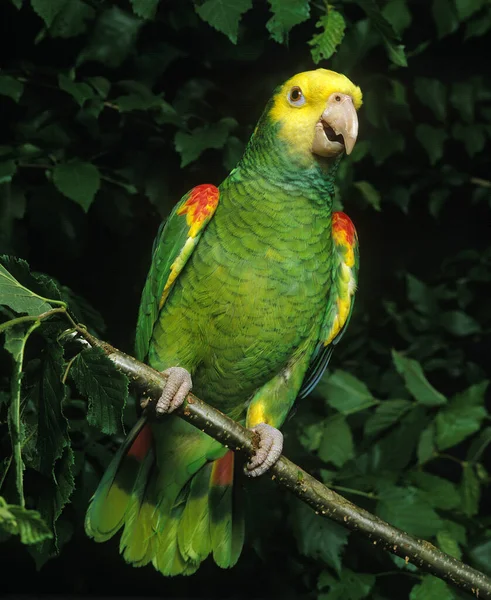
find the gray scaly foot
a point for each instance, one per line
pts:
(268, 452)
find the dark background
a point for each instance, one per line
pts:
(417, 188)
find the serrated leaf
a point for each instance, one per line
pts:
(479, 445)
(224, 15)
(431, 588)
(408, 509)
(17, 520)
(318, 538)
(445, 17)
(106, 388)
(370, 193)
(48, 9)
(191, 145)
(286, 14)
(477, 27)
(344, 392)
(146, 9)
(113, 38)
(440, 492)
(386, 414)
(11, 87)
(462, 417)
(416, 382)
(49, 395)
(350, 586)
(470, 489)
(337, 444)
(80, 92)
(324, 44)
(432, 139)
(463, 100)
(15, 295)
(78, 181)
(433, 94)
(310, 436)
(421, 295)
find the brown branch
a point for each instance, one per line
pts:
(324, 501)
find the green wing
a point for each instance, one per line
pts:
(341, 299)
(173, 246)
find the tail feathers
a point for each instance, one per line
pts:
(108, 507)
(176, 508)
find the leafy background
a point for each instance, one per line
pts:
(110, 111)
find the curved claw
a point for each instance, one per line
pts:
(268, 452)
(177, 387)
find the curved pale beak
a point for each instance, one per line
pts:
(337, 129)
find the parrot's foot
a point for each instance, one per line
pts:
(177, 387)
(268, 452)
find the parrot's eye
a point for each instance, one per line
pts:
(295, 96)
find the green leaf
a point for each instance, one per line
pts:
(48, 9)
(408, 509)
(351, 585)
(191, 145)
(433, 94)
(324, 44)
(416, 382)
(15, 295)
(466, 8)
(72, 20)
(345, 392)
(386, 414)
(78, 181)
(440, 493)
(337, 442)
(477, 27)
(113, 38)
(432, 139)
(447, 543)
(80, 92)
(390, 37)
(431, 588)
(224, 15)
(459, 323)
(17, 520)
(369, 193)
(479, 445)
(398, 15)
(462, 417)
(286, 14)
(481, 556)
(106, 388)
(317, 537)
(463, 100)
(421, 295)
(146, 9)
(471, 136)
(49, 394)
(445, 17)
(470, 489)
(8, 168)
(310, 435)
(11, 87)
(426, 444)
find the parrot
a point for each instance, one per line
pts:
(250, 288)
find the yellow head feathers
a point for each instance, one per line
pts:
(305, 106)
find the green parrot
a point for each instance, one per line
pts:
(250, 288)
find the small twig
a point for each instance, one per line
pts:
(324, 501)
(481, 182)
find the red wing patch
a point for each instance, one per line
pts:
(142, 444)
(199, 206)
(223, 470)
(344, 235)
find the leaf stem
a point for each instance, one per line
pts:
(30, 318)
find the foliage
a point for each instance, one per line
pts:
(111, 111)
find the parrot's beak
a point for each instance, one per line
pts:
(337, 129)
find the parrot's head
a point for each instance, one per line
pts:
(314, 114)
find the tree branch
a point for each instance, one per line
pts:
(324, 501)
